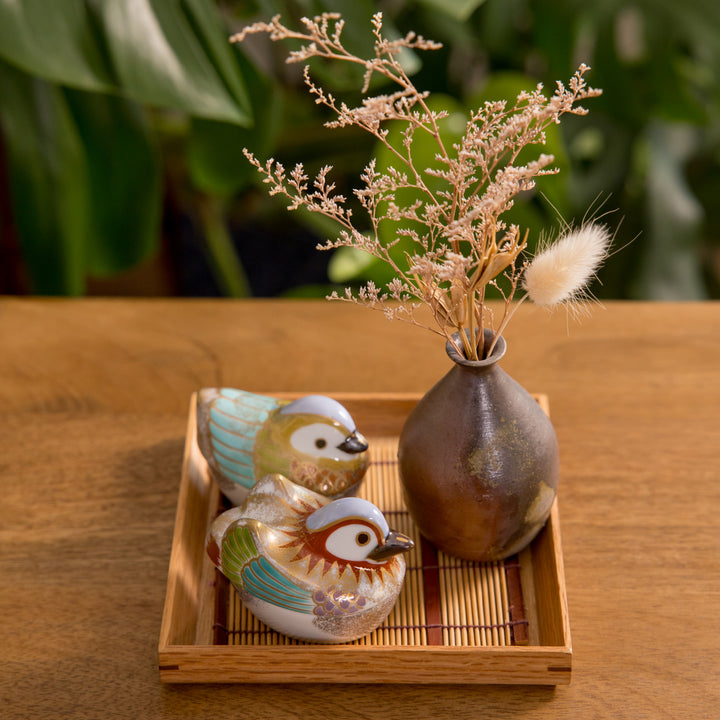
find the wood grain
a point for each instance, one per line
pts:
(93, 406)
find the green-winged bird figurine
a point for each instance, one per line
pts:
(312, 568)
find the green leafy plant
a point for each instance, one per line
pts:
(84, 86)
(123, 123)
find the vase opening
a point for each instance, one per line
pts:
(497, 352)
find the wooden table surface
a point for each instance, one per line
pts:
(93, 407)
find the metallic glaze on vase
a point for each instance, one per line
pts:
(479, 461)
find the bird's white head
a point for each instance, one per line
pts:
(334, 436)
(356, 531)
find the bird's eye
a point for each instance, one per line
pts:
(320, 440)
(351, 542)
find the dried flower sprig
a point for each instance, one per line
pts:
(461, 244)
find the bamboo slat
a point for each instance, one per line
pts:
(473, 597)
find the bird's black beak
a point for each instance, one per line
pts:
(353, 444)
(395, 543)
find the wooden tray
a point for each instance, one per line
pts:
(455, 621)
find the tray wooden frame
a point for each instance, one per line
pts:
(186, 649)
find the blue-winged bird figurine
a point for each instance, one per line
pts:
(312, 441)
(309, 567)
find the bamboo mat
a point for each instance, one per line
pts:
(444, 601)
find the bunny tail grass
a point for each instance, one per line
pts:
(560, 272)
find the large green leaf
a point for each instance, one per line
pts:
(671, 268)
(224, 260)
(124, 185)
(459, 9)
(167, 53)
(215, 149)
(212, 34)
(163, 61)
(84, 178)
(54, 40)
(48, 174)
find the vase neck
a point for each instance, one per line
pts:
(497, 352)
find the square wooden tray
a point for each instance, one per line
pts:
(455, 622)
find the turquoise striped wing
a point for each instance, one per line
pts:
(246, 568)
(235, 417)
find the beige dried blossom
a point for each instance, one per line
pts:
(454, 220)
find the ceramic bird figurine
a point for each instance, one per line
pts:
(312, 441)
(312, 568)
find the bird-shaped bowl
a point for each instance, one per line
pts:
(312, 568)
(312, 441)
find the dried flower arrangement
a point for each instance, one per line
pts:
(461, 243)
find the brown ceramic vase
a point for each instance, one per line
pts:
(478, 461)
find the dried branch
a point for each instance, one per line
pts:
(454, 229)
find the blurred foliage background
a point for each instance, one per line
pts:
(122, 127)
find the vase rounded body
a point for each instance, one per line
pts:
(478, 461)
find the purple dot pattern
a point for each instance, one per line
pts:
(336, 603)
